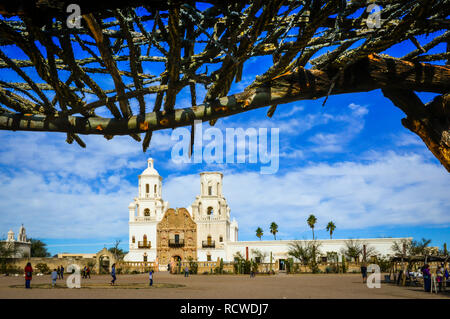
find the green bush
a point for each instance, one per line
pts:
(43, 268)
(254, 266)
(385, 264)
(193, 266)
(332, 269)
(12, 269)
(290, 265)
(247, 267)
(344, 266)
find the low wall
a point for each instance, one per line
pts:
(141, 267)
(51, 262)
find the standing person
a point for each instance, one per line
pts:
(54, 277)
(150, 277)
(58, 271)
(28, 275)
(186, 271)
(62, 272)
(113, 274)
(440, 276)
(364, 273)
(88, 272)
(426, 278)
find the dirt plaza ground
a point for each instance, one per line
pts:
(280, 286)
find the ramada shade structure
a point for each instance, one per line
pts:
(65, 68)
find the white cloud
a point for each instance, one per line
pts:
(407, 139)
(337, 142)
(295, 109)
(64, 207)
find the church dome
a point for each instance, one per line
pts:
(150, 170)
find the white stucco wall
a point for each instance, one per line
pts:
(280, 248)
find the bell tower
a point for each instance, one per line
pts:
(211, 212)
(145, 212)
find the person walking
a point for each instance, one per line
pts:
(150, 277)
(54, 277)
(113, 274)
(426, 278)
(186, 271)
(62, 272)
(88, 272)
(28, 275)
(58, 271)
(364, 273)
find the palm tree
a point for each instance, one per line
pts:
(312, 220)
(330, 228)
(274, 229)
(259, 233)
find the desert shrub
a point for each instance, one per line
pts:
(193, 266)
(12, 269)
(254, 266)
(289, 265)
(344, 266)
(43, 268)
(384, 263)
(331, 269)
(247, 266)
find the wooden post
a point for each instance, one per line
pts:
(403, 265)
(364, 255)
(270, 261)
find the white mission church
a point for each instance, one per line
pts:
(204, 231)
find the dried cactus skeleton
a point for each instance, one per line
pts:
(122, 53)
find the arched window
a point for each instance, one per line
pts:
(133, 239)
(145, 240)
(147, 188)
(221, 239)
(209, 240)
(210, 211)
(146, 212)
(209, 190)
(155, 189)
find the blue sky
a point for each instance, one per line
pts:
(350, 162)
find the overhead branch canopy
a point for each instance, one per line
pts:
(117, 67)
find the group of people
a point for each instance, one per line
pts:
(57, 273)
(86, 272)
(441, 274)
(114, 278)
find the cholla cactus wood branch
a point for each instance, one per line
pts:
(155, 47)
